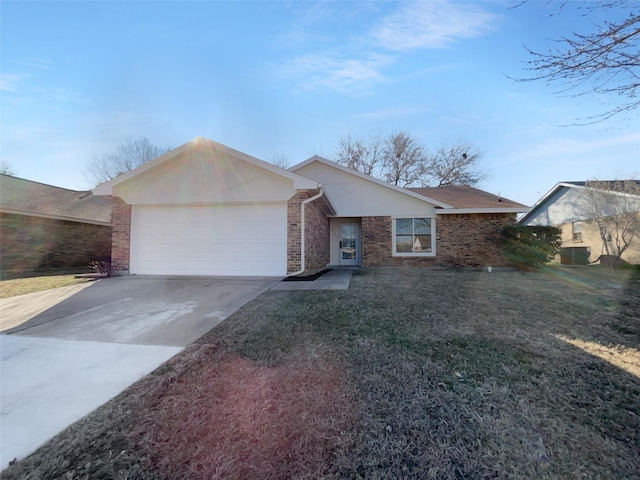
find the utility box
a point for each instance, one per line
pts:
(575, 255)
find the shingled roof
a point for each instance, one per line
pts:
(25, 197)
(466, 197)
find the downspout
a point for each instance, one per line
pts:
(304, 202)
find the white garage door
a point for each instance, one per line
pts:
(249, 240)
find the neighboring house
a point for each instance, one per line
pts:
(45, 227)
(568, 205)
(206, 209)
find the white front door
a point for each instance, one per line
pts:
(349, 244)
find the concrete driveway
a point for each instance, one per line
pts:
(70, 350)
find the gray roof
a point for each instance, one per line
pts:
(25, 197)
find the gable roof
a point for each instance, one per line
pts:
(547, 197)
(199, 143)
(351, 171)
(465, 197)
(25, 197)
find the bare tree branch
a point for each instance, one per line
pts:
(614, 206)
(455, 164)
(129, 155)
(605, 62)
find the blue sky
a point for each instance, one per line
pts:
(286, 79)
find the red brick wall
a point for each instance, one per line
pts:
(33, 243)
(316, 234)
(293, 232)
(121, 239)
(461, 240)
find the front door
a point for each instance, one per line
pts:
(349, 254)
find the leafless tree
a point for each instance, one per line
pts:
(401, 159)
(614, 206)
(455, 164)
(361, 155)
(605, 61)
(280, 160)
(7, 169)
(404, 160)
(129, 155)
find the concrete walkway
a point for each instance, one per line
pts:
(71, 351)
(336, 279)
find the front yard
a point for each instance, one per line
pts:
(411, 373)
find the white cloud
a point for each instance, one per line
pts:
(9, 81)
(337, 72)
(423, 25)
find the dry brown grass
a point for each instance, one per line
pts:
(411, 373)
(22, 286)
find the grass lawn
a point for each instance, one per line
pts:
(20, 286)
(411, 373)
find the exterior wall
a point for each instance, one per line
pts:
(316, 234)
(591, 238)
(33, 243)
(316, 237)
(354, 196)
(469, 240)
(121, 239)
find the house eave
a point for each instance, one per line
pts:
(465, 211)
(317, 158)
(299, 182)
(56, 217)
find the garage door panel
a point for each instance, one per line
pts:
(210, 240)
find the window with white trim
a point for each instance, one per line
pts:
(413, 237)
(576, 231)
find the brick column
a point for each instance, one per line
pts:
(121, 237)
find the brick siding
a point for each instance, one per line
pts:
(316, 235)
(121, 239)
(34, 243)
(468, 240)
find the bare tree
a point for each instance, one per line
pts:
(361, 155)
(614, 206)
(605, 61)
(455, 164)
(129, 155)
(401, 159)
(7, 169)
(280, 160)
(404, 160)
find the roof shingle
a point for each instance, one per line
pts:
(464, 196)
(26, 197)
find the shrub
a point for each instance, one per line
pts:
(529, 247)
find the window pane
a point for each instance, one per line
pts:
(422, 226)
(422, 243)
(404, 226)
(403, 243)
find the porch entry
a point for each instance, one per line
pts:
(346, 244)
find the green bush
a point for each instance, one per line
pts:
(529, 247)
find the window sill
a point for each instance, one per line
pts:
(430, 254)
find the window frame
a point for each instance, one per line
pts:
(576, 236)
(432, 253)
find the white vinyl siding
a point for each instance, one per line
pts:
(223, 239)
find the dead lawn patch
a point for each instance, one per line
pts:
(411, 373)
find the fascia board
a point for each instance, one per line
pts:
(56, 217)
(454, 211)
(299, 182)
